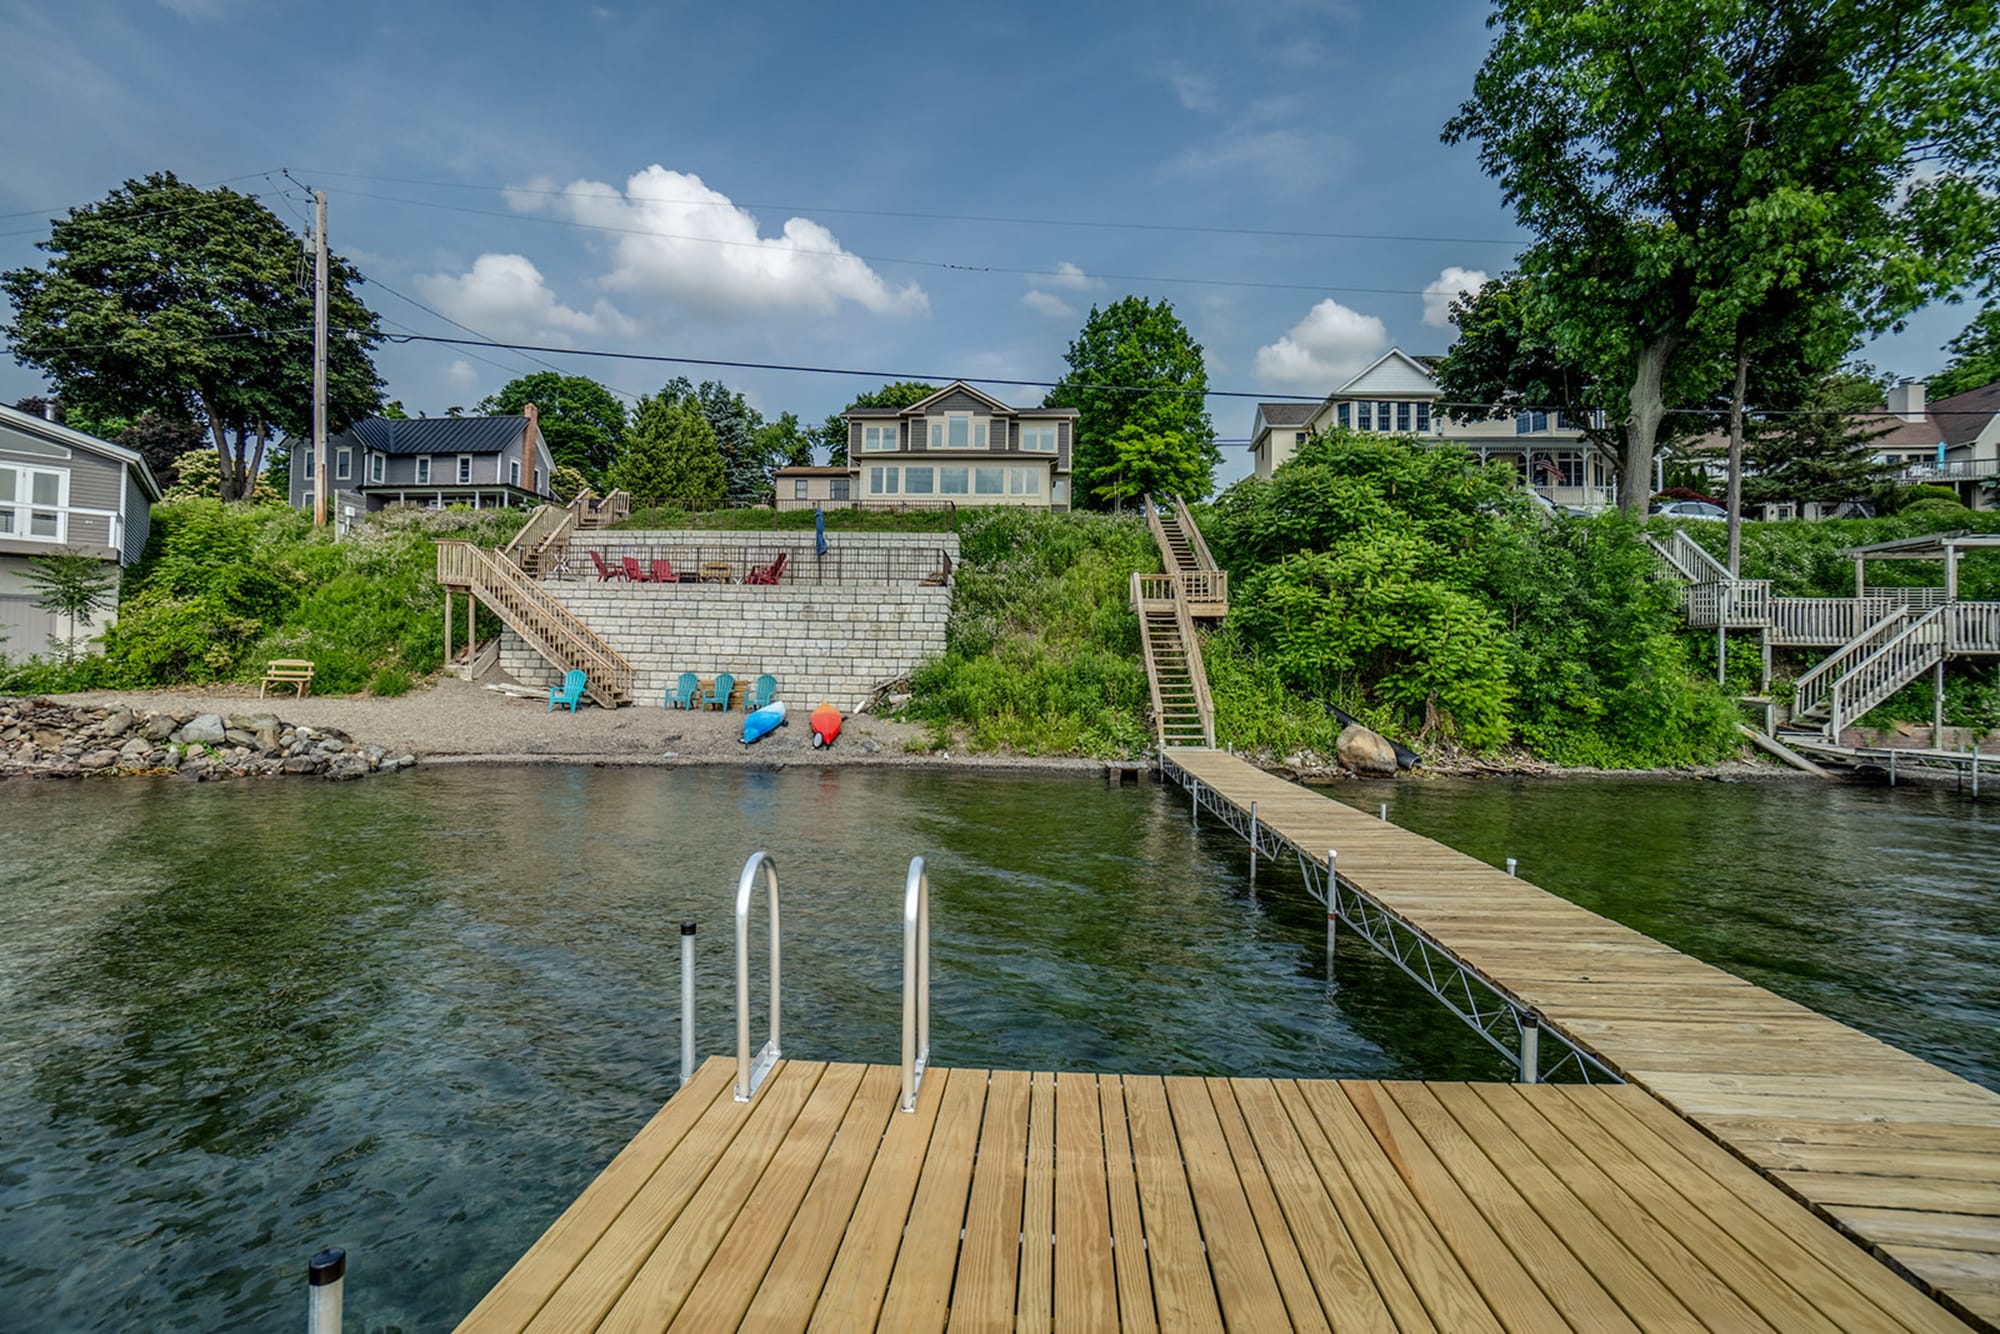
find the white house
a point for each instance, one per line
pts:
(1398, 395)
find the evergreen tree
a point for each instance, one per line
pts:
(1820, 452)
(1135, 362)
(670, 452)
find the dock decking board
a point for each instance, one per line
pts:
(1135, 1202)
(1784, 1088)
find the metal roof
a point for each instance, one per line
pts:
(437, 435)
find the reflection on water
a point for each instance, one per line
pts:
(414, 1016)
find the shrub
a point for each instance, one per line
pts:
(390, 681)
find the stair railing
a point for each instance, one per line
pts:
(751, 1070)
(537, 615)
(916, 980)
(1197, 671)
(1194, 537)
(1887, 670)
(1812, 691)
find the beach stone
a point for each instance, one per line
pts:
(267, 738)
(332, 747)
(98, 759)
(116, 724)
(206, 729)
(347, 767)
(405, 761)
(299, 764)
(134, 748)
(236, 736)
(159, 727)
(1365, 752)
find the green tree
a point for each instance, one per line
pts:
(568, 483)
(579, 418)
(1500, 364)
(1135, 361)
(1819, 452)
(161, 441)
(1692, 166)
(831, 434)
(670, 452)
(1975, 357)
(72, 585)
(1148, 456)
(784, 443)
(192, 304)
(198, 476)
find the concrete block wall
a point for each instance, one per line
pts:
(834, 642)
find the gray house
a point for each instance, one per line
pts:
(962, 446)
(484, 462)
(63, 490)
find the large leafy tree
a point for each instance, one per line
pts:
(1500, 364)
(579, 418)
(784, 443)
(195, 305)
(1134, 362)
(1975, 357)
(831, 434)
(670, 452)
(1703, 172)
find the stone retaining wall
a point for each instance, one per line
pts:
(834, 642)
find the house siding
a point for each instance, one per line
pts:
(138, 518)
(95, 482)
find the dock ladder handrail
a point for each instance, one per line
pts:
(916, 980)
(750, 1072)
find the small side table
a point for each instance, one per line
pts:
(715, 572)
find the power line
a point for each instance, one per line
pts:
(765, 243)
(60, 208)
(1269, 232)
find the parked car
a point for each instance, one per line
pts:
(1690, 509)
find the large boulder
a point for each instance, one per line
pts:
(207, 729)
(1364, 752)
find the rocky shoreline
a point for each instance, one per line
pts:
(42, 738)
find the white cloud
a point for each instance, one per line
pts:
(461, 376)
(1195, 91)
(1047, 303)
(1439, 295)
(677, 239)
(506, 297)
(532, 195)
(1070, 276)
(1325, 348)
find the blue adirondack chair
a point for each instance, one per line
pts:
(762, 693)
(685, 694)
(570, 692)
(718, 698)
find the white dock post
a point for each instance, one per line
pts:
(1511, 864)
(1975, 769)
(1332, 904)
(1385, 812)
(324, 1275)
(1531, 1049)
(1892, 768)
(1253, 843)
(687, 1002)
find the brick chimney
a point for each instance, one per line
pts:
(534, 416)
(1906, 400)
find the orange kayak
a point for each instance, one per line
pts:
(825, 725)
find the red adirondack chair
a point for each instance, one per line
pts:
(605, 573)
(633, 572)
(768, 574)
(663, 572)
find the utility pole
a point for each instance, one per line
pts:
(320, 470)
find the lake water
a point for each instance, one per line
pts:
(414, 1016)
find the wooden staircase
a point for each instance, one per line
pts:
(1183, 712)
(1186, 558)
(538, 616)
(542, 545)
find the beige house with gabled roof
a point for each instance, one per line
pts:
(1398, 395)
(959, 445)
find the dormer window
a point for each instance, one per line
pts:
(958, 430)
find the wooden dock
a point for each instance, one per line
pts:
(1901, 1155)
(1018, 1201)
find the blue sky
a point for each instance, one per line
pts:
(718, 181)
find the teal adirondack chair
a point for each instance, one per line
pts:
(762, 693)
(570, 692)
(725, 686)
(685, 694)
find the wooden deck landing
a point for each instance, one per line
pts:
(1901, 1154)
(1011, 1200)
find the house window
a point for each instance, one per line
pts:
(1365, 416)
(342, 464)
(513, 472)
(1340, 413)
(979, 435)
(1038, 439)
(423, 470)
(1298, 438)
(1423, 418)
(375, 468)
(1403, 418)
(309, 474)
(465, 470)
(882, 481)
(32, 504)
(837, 490)
(1381, 416)
(800, 486)
(1527, 423)
(987, 481)
(958, 431)
(876, 439)
(1024, 481)
(308, 501)
(916, 481)
(538, 480)
(952, 481)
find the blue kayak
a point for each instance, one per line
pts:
(761, 722)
